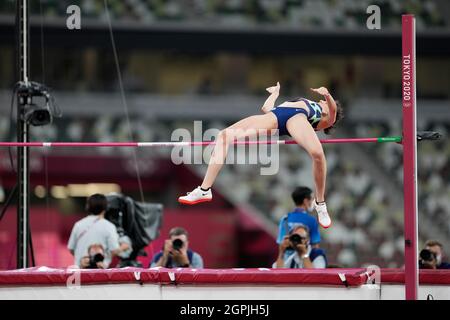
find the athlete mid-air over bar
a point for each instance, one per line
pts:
(299, 118)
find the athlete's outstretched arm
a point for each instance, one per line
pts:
(330, 101)
(270, 101)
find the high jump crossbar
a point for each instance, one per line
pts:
(397, 139)
(422, 135)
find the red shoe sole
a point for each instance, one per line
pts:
(193, 202)
(324, 226)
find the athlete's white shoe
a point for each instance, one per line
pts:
(196, 196)
(322, 214)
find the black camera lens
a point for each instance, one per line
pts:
(295, 239)
(427, 255)
(177, 244)
(98, 258)
(41, 115)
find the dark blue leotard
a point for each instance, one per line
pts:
(283, 114)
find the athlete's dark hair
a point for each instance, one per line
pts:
(96, 204)
(300, 194)
(339, 116)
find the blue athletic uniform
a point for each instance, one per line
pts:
(283, 114)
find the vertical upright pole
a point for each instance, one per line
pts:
(410, 155)
(22, 136)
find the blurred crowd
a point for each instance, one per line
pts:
(363, 231)
(433, 166)
(348, 14)
(366, 230)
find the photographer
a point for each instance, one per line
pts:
(94, 259)
(303, 200)
(431, 256)
(176, 252)
(304, 255)
(95, 230)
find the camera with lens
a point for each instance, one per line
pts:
(426, 259)
(94, 259)
(295, 240)
(137, 223)
(39, 106)
(177, 244)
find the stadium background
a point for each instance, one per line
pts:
(211, 60)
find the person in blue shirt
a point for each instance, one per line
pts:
(301, 255)
(303, 199)
(176, 252)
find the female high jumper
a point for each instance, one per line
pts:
(299, 118)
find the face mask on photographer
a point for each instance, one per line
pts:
(310, 204)
(438, 259)
(437, 252)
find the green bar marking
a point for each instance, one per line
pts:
(390, 139)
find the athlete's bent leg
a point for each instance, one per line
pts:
(303, 133)
(247, 127)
